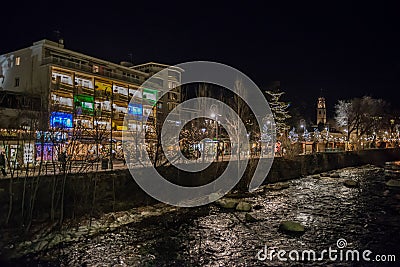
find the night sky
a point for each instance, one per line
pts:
(348, 49)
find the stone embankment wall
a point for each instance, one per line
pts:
(106, 191)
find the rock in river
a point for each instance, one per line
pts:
(277, 186)
(393, 183)
(315, 176)
(243, 206)
(227, 203)
(334, 175)
(291, 227)
(250, 217)
(351, 183)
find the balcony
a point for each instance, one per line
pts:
(61, 108)
(121, 98)
(63, 87)
(103, 114)
(118, 116)
(88, 69)
(81, 90)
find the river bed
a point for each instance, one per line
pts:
(366, 217)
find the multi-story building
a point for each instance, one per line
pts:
(64, 89)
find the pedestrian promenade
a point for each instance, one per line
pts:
(50, 168)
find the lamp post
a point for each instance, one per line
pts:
(203, 145)
(303, 126)
(248, 141)
(303, 144)
(111, 127)
(215, 115)
(270, 134)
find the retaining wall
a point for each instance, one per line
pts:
(98, 192)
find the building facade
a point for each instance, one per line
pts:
(49, 88)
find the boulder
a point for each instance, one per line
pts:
(315, 176)
(250, 217)
(227, 203)
(277, 186)
(351, 183)
(291, 227)
(334, 175)
(393, 183)
(243, 206)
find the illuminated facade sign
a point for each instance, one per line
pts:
(61, 120)
(84, 104)
(135, 109)
(105, 87)
(150, 95)
(51, 137)
(28, 153)
(47, 152)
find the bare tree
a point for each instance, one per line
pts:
(360, 116)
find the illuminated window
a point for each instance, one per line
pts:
(95, 69)
(17, 61)
(16, 84)
(172, 96)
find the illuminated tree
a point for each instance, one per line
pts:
(279, 110)
(360, 116)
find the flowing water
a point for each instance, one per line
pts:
(367, 217)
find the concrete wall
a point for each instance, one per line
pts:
(284, 169)
(106, 191)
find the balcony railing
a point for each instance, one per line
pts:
(62, 87)
(85, 90)
(60, 107)
(88, 69)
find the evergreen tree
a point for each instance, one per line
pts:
(279, 110)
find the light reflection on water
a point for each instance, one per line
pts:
(328, 210)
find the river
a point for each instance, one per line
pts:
(366, 217)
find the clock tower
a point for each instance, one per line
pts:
(321, 111)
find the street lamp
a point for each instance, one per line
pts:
(214, 114)
(303, 140)
(111, 97)
(327, 133)
(303, 126)
(346, 140)
(203, 149)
